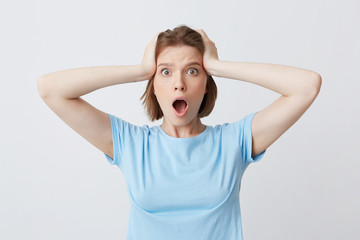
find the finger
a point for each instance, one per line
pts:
(153, 41)
(156, 37)
(200, 31)
(203, 34)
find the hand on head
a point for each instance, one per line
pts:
(148, 61)
(210, 55)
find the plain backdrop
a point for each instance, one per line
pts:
(55, 185)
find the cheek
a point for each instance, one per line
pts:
(161, 86)
(202, 86)
(159, 91)
(155, 87)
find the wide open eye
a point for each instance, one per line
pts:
(165, 72)
(193, 71)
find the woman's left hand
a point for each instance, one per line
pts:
(210, 57)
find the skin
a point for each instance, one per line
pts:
(62, 92)
(298, 88)
(176, 78)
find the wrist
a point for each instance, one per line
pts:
(143, 73)
(146, 72)
(213, 67)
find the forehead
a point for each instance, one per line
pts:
(176, 54)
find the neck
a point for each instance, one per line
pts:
(192, 129)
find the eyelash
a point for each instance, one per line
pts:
(197, 71)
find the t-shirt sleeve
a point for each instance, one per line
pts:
(244, 136)
(121, 132)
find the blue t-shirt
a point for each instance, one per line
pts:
(183, 188)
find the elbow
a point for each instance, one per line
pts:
(42, 83)
(317, 81)
(314, 85)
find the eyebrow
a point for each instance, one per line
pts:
(189, 64)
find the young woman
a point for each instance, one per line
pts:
(183, 177)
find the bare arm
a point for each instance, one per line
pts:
(62, 90)
(298, 87)
(74, 83)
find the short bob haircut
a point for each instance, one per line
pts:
(181, 35)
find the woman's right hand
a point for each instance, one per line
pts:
(148, 62)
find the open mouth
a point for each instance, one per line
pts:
(180, 107)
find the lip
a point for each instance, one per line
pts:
(187, 105)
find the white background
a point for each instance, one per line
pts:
(55, 185)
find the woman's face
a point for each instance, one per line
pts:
(180, 75)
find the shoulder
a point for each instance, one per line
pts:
(239, 125)
(125, 127)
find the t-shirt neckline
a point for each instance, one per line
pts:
(189, 139)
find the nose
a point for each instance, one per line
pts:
(179, 84)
